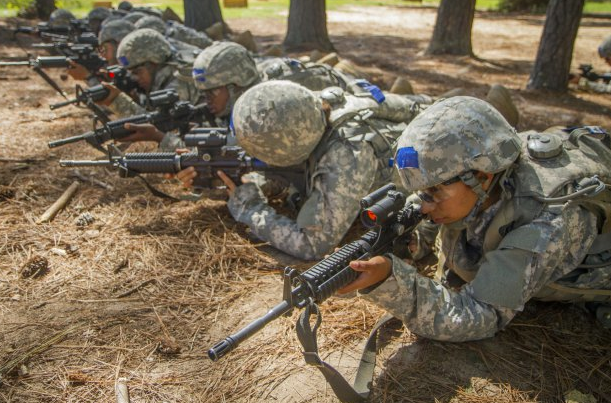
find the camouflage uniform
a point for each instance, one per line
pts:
(159, 25)
(146, 45)
(282, 124)
(516, 249)
(180, 32)
(224, 64)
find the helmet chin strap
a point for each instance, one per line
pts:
(469, 179)
(234, 93)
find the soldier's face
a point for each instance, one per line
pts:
(143, 76)
(108, 50)
(445, 204)
(217, 99)
(608, 60)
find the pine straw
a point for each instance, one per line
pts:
(149, 286)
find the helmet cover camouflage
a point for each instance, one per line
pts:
(141, 46)
(115, 30)
(152, 22)
(604, 50)
(60, 17)
(99, 14)
(451, 137)
(125, 5)
(224, 63)
(134, 16)
(279, 122)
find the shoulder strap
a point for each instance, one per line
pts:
(343, 390)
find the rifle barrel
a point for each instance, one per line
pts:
(231, 342)
(73, 163)
(22, 63)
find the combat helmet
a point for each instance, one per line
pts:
(224, 63)
(152, 22)
(142, 46)
(98, 14)
(452, 138)
(134, 16)
(60, 17)
(115, 31)
(125, 5)
(604, 50)
(279, 122)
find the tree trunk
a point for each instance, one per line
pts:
(452, 34)
(44, 8)
(201, 14)
(307, 26)
(553, 63)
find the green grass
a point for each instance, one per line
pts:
(275, 8)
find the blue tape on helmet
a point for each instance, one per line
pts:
(406, 157)
(374, 90)
(123, 61)
(198, 75)
(231, 128)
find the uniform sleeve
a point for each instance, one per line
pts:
(171, 142)
(124, 106)
(343, 176)
(527, 259)
(594, 86)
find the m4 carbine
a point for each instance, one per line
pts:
(587, 71)
(84, 55)
(393, 220)
(88, 97)
(172, 114)
(211, 156)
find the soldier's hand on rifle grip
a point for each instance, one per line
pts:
(77, 71)
(372, 271)
(227, 181)
(142, 132)
(113, 92)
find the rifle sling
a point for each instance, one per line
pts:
(343, 390)
(163, 195)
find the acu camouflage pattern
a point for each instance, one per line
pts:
(141, 46)
(152, 22)
(60, 17)
(164, 78)
(342, 168)
(279, 122)
(188, 35)
(519, 248)
(315, 77)
(224, 63)
(115, 31)
(134, 16)
(457, 135)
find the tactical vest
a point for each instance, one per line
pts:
(315, 77)
(555, 167)
(366, 117)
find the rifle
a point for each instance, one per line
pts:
(393, 220)
(88, 97)
(120, 78)
(587, 71)
(212, 155)
(63, 42)
(172, 114)
(39, 64)
(385, 210)
(43, 28)
(81, 54)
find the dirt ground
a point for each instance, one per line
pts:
(126, 285)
